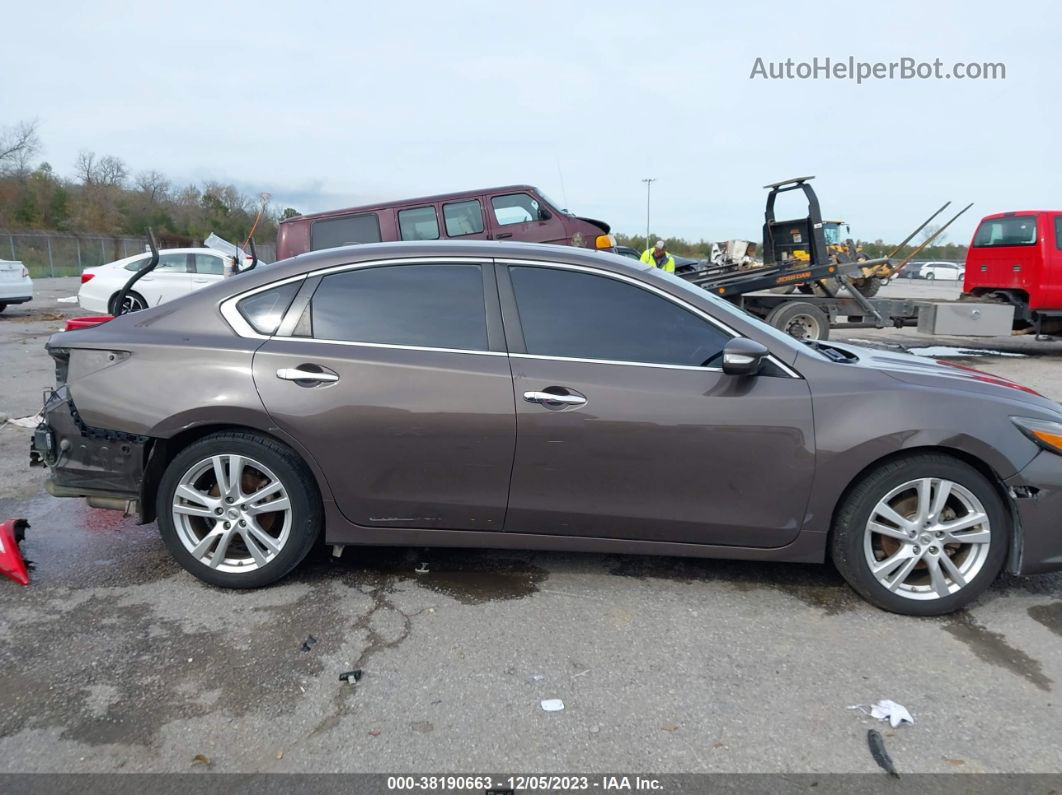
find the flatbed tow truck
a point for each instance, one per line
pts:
(827, 293)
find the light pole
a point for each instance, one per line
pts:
(648, 192)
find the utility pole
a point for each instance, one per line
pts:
(648, 192)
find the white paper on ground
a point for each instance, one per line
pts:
(70, 299)
(552, 704)
(888, 710)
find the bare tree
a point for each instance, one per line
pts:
(153, 185)
(86, 167)
(18, 145)
(931, 230)
(112, 171)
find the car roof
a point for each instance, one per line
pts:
(479, 249)
(142, 254)
(465, 194)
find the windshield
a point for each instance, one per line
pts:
(552, 203)
(727, 309)
(831, 230)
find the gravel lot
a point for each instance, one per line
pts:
(114, 659)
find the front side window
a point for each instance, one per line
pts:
(209, 264)
(332, 232)
(516, 208)
(1016, 230)
(584, 316)
(429, 306)
(418, 223)
(264, 310)
(463, 218)
(1058, 232)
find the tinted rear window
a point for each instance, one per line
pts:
(429, 306)
(332, 232)
(266, 309)
(1017, 230)
(1058, 233)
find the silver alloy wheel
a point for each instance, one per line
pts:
(132, 303)
(927, 539)
(232, 513)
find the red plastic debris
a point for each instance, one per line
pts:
(78, 323)
(11, 563)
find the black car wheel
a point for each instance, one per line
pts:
(922, 536)
(238, 510)
(134, 302)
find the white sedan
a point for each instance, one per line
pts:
(180, 271)
(942, 270)
(16, 286)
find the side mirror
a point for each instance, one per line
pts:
(743, 356)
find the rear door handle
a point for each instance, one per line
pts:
(298, 374)
(549, 397)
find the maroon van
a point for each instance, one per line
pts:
(513, 212)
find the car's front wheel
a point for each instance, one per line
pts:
(238, 509)
(923, 535)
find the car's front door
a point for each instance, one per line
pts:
(627, 428)
(522, 216)
(171, 279)
(396, 381)
(209, 269)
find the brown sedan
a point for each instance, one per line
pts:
(540, 397)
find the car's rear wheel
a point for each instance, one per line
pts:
(3, 307)
(238, 510)
(133, 302)
(923, 535)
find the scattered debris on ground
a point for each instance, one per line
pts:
(351, 676)
(877, 750)
(552, 704)
(309, 643)
(13, 533)
(886, 710)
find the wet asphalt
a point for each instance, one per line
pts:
(114, 659)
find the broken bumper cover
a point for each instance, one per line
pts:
(1039, 509)
(85, 461)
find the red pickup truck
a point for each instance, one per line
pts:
(516, 212)
(1016, 257)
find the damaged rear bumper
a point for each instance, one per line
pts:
(106, 467)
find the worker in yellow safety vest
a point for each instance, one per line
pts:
(658, 257)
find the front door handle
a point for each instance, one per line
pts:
(550, 398)
(503, 235)
(299, 374)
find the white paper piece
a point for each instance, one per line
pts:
(26, 422)
(70, 299)
(552, 704)
(885, 709)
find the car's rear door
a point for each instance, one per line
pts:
(395, 378)
(627, 427)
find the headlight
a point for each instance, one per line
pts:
(1045, 433)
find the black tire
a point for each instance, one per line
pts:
(304, 498)
(3, 307)
(930, 276)
(848, 536)
(800, 319)
(133, 297)
(867, 287)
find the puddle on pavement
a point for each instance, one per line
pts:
(470, 576)
(993, 648)
(1048, 615)
(815, 585)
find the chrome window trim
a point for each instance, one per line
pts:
(242, 328)
(653, 289)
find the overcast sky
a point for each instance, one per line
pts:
(331, 105)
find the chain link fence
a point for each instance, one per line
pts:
(48, 254)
